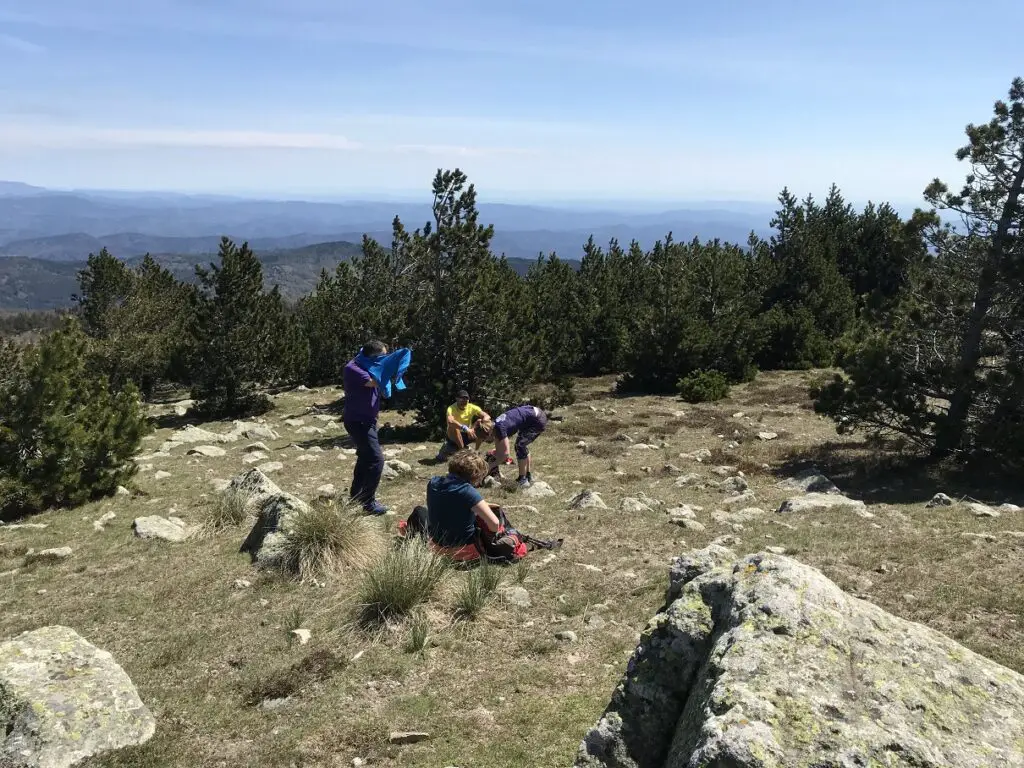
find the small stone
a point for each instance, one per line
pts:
(939, 500)
(582, 444)
(517, 596)
(587, 500)
(156, 527)
(161, 475)
(767, 436)
(594, 622)
(302, 635)
(307, 458)
(58, 553)
(254, 447)
(326, 490)
(566, 636)
(399, 466)
(689, 479)
(733, 485)
(310, 431)
(241, 584)
(252, 458)
(357, 762)
(724, 471)
(210, 451)
(407, 737)
(777, 550)
(633, 506)
(122, 491)
(622, 439)
(538, 489)
(591, 568)
(739, 415)
(269, 705)
(1008, 508)
(982, 510)
(270, 466)
(294, 422)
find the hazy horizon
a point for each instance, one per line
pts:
(655, 101)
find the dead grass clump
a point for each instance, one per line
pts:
(589, 424)
(720, 456)
(476, 591)
(318, 666)
(699, 419)
(401, 580)
(606, 450)
(323, 540)
(228, 510)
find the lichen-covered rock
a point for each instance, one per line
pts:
(633, 506)
(210, 451)
(587, 500)
(252, 431)
(762, 662)
(273, 510)
(809, 481)
(63, 699)
(815, 502)
(156, 527)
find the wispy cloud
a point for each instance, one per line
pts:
(49, 136)
(20, 44)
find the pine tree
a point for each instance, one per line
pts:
(944, 367)
(464, 308)
(104, 286)
(244, 337)
(65, 437)
(557, 308)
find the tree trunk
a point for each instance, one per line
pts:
(950, 434)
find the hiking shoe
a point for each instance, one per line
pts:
(375, 508)
(523, 482)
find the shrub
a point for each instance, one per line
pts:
(401, 580)
(704, 387)
(323, 540)
(476, 590)
(65, 438)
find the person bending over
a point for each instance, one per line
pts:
(463, 418)
(526, 422)
(455, 508)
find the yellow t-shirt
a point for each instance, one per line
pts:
(466, 415)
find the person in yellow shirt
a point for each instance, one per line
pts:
(464, 422)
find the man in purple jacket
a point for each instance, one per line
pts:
(526, 421)
(362, 404)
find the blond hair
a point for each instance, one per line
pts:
(468, 465)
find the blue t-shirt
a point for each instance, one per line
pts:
(450, 518)
(362, 403)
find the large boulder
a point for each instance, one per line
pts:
(763, 662)
(272, 511)
(63, 699)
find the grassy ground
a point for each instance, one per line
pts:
(498, 690)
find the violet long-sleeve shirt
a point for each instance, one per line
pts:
(362, 403)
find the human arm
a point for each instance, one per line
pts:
(483, 511)
(501, 451)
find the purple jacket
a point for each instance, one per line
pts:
(362, 403)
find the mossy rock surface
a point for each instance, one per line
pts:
(762, 662)
(62, 700)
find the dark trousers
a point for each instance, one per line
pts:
(369, 461)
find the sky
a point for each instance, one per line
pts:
(536, 100)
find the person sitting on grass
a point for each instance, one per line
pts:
(463, 418)
(456, 510)
(526, 421)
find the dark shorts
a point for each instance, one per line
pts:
(527, 436)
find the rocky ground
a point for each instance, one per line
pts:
(212, 647)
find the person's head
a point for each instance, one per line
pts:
(483, 429)
(468, 465)
(374, 348)
(462, 398)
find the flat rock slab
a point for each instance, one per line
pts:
(762, 662)
(211, 451)
(816, 502)
(538, 490)
(62, 700)
(156, 527)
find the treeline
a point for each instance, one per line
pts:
(925, 318)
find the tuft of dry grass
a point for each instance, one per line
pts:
(227, 510)
(419, 633)
(325, 539)
(401, 580)
(475, 592)
(318, 666)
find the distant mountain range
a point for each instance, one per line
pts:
(46, 235)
